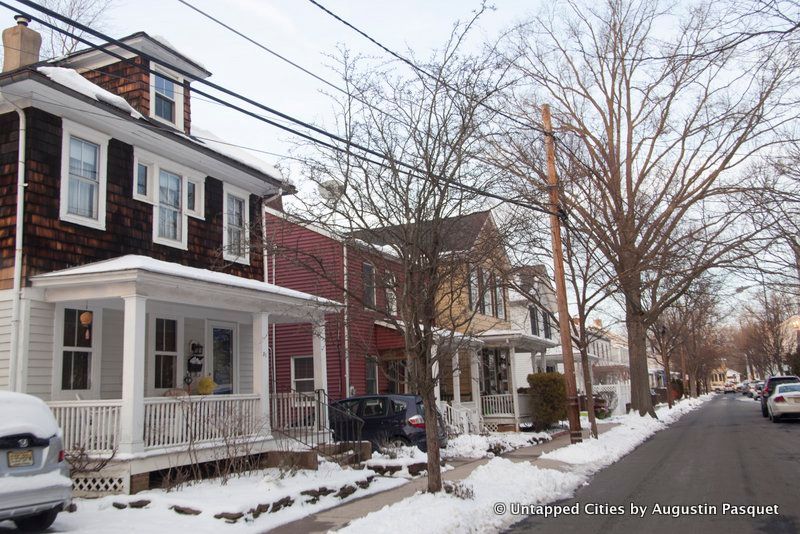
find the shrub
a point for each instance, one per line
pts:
(677, 388)
(549, 399)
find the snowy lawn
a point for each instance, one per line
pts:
(238, 496)
(492, 444)
(503, 481)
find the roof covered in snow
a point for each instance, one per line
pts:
(70, 78)
(133, 262)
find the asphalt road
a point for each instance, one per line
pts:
(723, 452)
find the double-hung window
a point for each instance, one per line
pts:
(546, 325)
(372, 376)
(170, 209)
(84, 155)
(474, 288)
(486, 293)
(235, 236)
(166, 96)
(368, 282)
(499, 299)
(534, 313)
(166, 353)
(303, 374)
(77, 349)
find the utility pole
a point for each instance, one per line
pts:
(573, 410)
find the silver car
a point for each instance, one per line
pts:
(34, 478)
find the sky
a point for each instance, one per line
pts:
(303, 33)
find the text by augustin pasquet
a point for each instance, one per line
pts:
(642, 510)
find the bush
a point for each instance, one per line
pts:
(677, 388)
(549, 399)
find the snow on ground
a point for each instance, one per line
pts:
(498, 480)
(402, 462)
(501, 481)
(594, 454)
(239, 495)
(486, 446)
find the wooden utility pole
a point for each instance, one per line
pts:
(573, 410)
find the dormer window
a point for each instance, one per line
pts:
(166, 96)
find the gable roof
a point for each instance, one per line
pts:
(456, 234)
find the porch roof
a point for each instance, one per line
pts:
(162, 280)
(515, 338)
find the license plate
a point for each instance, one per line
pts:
(795, 400)
(20, 458)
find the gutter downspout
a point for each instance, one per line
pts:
(13, 374)
(346, 324)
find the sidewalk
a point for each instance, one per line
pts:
(338, 517)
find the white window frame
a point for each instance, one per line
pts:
(230, 190)
(68, 130)
(180, 368)
(303, 379)
(187, 175)
(372, 362)
(179, 94)
(94, 360)
(149, 160)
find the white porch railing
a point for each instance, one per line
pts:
(295, 410)
(91, 425)
(177, 421)
(460, 419)
(502, 404)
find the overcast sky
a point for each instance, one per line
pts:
(303, 33)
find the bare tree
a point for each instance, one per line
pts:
(658, 130)
(89, 12)
(405, 201)
(764, 334)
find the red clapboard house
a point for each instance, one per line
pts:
(364, 353)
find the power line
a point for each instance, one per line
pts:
(427, 73)
(110, 40)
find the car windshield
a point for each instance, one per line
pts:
(786, 388)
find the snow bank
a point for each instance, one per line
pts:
(210, 497)
(25, 414)
(498, 480)
(71, 79)
(594, 454)
(486, 446)
(503, 481)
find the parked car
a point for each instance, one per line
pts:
(785, 402)
(756, 392)
(769, 389)
(729, 387)
(34, 478)
(395, 420)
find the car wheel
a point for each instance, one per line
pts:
(38, 522)
(775, 418)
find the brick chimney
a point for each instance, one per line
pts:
(20, 45)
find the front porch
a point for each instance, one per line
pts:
(159, 365)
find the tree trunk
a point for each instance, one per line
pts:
(432, 438)
(637, 345)
(668, 379)
(587, 386)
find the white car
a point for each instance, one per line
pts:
(34, 478)
(785, 402)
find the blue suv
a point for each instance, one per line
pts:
(394, 420)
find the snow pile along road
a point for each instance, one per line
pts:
(487, 446)
(500, 482)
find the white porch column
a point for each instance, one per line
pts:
(475, 373)
(131, 438)
(261, 368)
(320, 355)
(512, 384)
(456, 378)
(534, 366)
(437, 390)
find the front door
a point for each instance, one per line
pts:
(223, 356)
